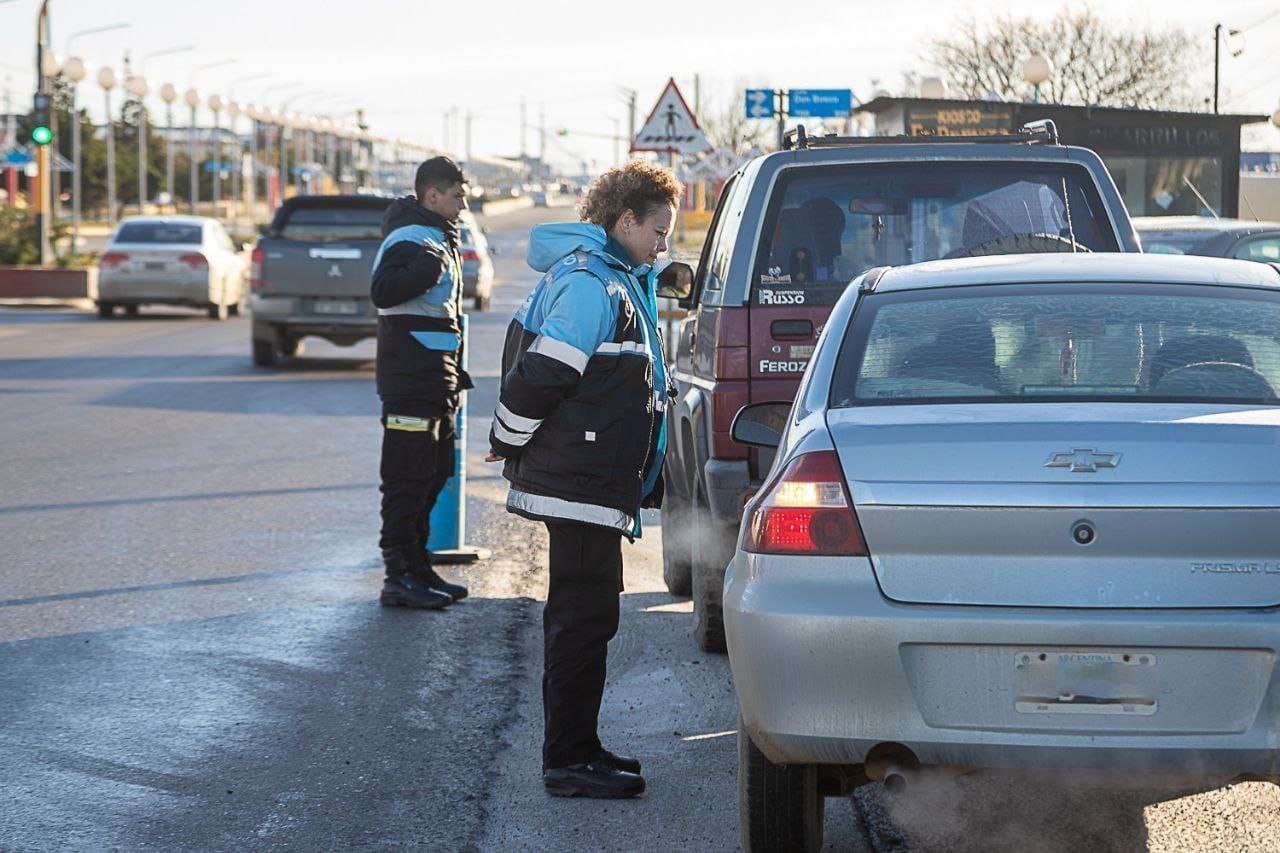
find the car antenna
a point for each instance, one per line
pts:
(1249, 205)
(1187, 181)
(1071, 229)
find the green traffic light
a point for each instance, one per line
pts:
(41, 135)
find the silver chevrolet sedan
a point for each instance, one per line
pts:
(1024, 513)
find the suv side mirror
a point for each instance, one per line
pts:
(760, 424)
(676, 281)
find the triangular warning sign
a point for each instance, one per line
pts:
(671, 126)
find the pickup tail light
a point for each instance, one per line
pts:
(255, 268)
(112, 260)
(807, 511)
(194, 261)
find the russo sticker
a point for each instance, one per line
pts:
(781, 297)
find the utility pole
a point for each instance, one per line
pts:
(542, 135)
(1217, 59)
(44, 88)
(631, 117)
(468, 149)
(524, 124)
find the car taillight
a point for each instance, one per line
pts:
(807, 511)
(470, 255)
(255, 268)
(194, 261)
(111, 260)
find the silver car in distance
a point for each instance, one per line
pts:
(1024, 513)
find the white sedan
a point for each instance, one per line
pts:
(171, 260)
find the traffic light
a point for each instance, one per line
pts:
(41, 129)
(564, 131)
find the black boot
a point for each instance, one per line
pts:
(423, 570)
(606, 758)
(592, 780)
(403, 589)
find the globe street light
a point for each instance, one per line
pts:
(169, 94)
(75, 71)
(1036, 70)
(107, 80)
(139, 88)
(215, 106)
(192, 97)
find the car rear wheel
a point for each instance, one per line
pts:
(712, 550)
(677, 563)
(779, 807)
(106, 310)
(265, 353)
(217, 311)
(131, 310)
(234, 310)
(482, 303)
(291, 347)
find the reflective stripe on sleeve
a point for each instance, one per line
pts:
(515, 439)
(630, 347)
(516, 422)
(561, 352)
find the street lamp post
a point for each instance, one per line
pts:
(169, 94)
(237, 161)
(75, 72)
(51, 68)
(139, 89)
(107, 80)
(215, 106)
(192, 97)
(254, 123)
(1036, 70)
(67, 67)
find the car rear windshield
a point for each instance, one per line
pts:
(1025, 343)
(827, 225)
(331, 223)
(1176, 242)
(159, 232)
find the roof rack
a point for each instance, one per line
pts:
(1043, 132)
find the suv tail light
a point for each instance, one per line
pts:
(194, 261)
(111, 260)
(255, 268)
(470, 255)
(807, 511)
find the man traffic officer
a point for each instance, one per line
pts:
(417, 288)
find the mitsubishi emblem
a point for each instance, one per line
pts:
(335, 271)
(1083, 460)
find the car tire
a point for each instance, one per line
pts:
(779, 806)
(235, 310)
(217, 311)
(712, 550)
(265, 353)
(291, 347)
(131, 310)
(677, 550)
(482, 303)
(106, 310)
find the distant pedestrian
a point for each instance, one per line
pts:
(581, 424)
(417, 286)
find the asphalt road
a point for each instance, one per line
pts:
(191, 654)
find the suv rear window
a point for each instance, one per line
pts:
(1024, 343)
(331, 223)
(160, 232)
(827, 225)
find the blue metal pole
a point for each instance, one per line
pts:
(449, 515)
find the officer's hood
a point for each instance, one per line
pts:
(406, 211)
(551, 242)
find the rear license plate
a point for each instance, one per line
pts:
(155, 266)
(1084, 682)
(337, 308)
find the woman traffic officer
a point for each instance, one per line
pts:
(581, 425)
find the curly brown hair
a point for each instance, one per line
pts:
(638, 186)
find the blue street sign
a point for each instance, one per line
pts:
(15, 158)
(820, 103)
(759, 103)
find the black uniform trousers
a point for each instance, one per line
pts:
(417, 461)
(580, 618)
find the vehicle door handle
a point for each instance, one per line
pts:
(784, 329)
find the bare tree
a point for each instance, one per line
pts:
(724, 119)
(1095, 61)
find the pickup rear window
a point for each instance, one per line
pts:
(827, 225)
(1054, 343)
(322, 224)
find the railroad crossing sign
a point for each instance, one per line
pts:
(671, 127)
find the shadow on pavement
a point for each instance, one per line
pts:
(78, 367)
(205, 496)
(327, 397)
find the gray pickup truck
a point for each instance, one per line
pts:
(310, 274)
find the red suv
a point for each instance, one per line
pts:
(791, 230)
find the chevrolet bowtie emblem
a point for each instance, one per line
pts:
(1083, 461)
(335, 271)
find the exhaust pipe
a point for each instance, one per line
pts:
(896, 778)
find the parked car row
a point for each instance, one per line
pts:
(962, 480)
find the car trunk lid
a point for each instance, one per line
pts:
(1068, 505)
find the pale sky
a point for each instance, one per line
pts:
(408, 63)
